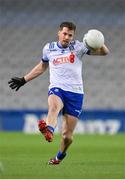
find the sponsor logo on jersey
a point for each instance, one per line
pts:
(64, 59)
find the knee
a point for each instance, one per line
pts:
(68, 139)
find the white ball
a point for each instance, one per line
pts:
(94, 39)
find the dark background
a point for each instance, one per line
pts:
(27, 25)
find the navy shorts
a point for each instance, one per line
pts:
(72, 101)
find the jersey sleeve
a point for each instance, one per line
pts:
(44, 56)
(81, 48)
(85, 49)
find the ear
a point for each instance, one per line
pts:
(58, 33)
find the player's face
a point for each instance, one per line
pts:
(65, 36)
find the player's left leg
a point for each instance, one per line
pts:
(68, 126)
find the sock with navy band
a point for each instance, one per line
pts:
(60, 155)
(51, 128)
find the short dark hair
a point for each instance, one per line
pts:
(69, 25)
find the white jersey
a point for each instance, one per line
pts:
(65, 70)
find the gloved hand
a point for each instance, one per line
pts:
(16, 83)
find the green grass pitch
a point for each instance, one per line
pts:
(90, 157)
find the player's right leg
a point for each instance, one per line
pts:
(47, 127)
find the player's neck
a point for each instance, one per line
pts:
(61, 46)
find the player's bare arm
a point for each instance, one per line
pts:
(36, 71)
(101, 51)
(17, 82)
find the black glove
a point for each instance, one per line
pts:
(16, 83)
